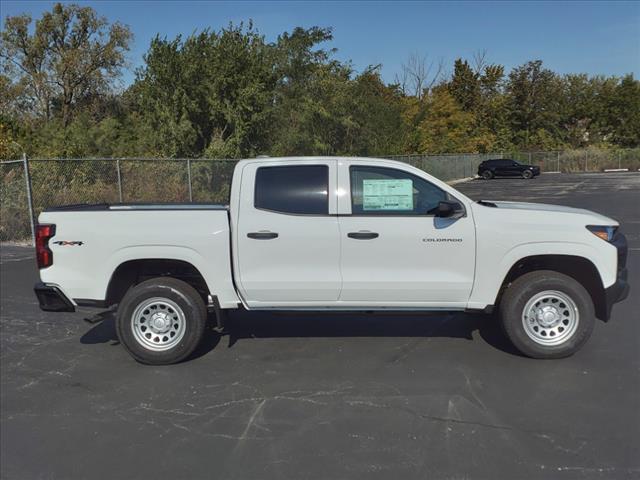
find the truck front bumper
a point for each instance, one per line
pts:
(52, 299)
(619, 290)
(616, 292)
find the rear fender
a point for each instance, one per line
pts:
(217, 275)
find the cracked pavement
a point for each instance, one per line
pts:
(334, 396)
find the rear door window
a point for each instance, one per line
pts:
(293, 189)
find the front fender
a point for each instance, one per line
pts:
(491, 271)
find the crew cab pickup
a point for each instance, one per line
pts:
(333, 234)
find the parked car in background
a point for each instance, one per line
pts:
(505, 167)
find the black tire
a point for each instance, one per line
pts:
(192, 310)
(487, 174)
(527, 174)
(515, 299)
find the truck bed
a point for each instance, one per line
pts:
(92, 241)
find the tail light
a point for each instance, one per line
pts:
(44, 256)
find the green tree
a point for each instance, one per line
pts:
(480, 91)
(465, 86)
(447, 128)
(231, 93)
(625, 109)
(534, 97)
(311, 113)
(211, 93)
(71, 52)
(377, 112)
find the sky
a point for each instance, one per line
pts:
(569, 37)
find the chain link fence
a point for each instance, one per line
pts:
(15, 222)
(35, 184)
(447, 167)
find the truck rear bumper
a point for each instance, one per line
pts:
(52, 299)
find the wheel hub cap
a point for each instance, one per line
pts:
(550, 317)
(160, 321)
(158, 324)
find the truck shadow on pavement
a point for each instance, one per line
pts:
(243, 325)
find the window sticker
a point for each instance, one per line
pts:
(387, 194)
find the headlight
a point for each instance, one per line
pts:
(604, 232)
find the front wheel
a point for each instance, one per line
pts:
(161, 321)
(547, 314)
(527, 174)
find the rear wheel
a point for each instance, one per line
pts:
(161, 321)
(527, 174)
(547, 314)
(487, 174)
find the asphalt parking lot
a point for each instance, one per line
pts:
(338, 396)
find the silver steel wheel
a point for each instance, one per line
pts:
(550, 317)
(527, 174)
(158, 324)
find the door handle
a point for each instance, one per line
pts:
(363, 235)
(262, 235)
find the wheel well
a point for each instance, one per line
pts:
(578, 268)
(133, 272)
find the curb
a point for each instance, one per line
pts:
(460, 180)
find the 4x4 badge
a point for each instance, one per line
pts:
(67, 243)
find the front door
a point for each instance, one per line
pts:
(395, 251)
(511, 168)
(288, 244)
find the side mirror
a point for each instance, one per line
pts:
(448, 209)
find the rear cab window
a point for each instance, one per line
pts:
(293, 189)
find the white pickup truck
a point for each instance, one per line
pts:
(333, 234)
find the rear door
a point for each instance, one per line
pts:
(395, 251)
(503, 168)
(288, 244)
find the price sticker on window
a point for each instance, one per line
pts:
(387, 195)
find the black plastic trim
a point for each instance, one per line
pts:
(619, 290)
(616, 293)
(486, 310)
(363, 235)
(262, 235)
(51, 298)
(87, 302)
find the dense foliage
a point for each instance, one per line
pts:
(231, 93)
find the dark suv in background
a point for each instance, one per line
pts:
(506, 168)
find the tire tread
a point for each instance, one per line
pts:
(182, 292)
(520, 290)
